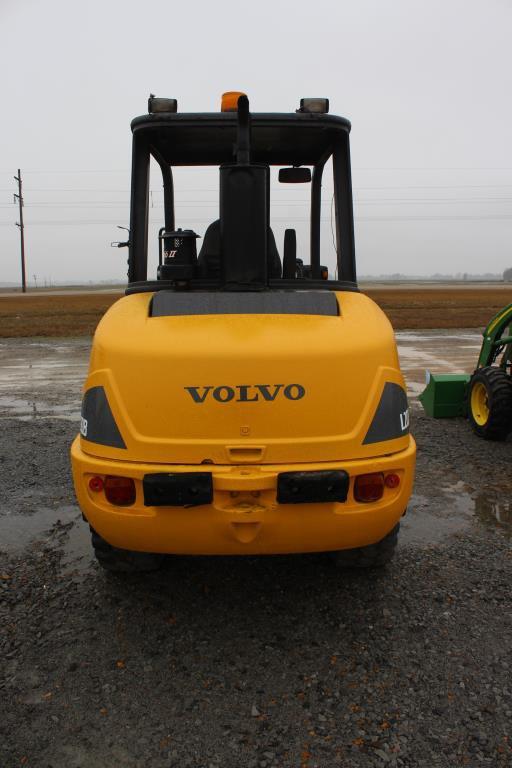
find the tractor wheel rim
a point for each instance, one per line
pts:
(479, 404)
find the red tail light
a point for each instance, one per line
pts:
(392, 480)
(369, 487)
(120, 490)
(96, 484)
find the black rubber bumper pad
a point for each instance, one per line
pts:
(312, 487)
(177, 489)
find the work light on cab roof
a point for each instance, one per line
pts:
(229, 103)
(161, 106)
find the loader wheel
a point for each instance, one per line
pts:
(372, 556)
(123, 560)
(490, 403)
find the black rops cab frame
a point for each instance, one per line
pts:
(243, 146)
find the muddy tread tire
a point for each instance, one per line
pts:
(499, 393)
(373, 556)
(123, 560)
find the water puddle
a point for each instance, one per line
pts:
(27, 409)
(420, 337)
(494, 512)
(42, 379)
(437, 351)
(425, 525)
(432, 520)
(77, 549)
(491, 506)
(61, 528)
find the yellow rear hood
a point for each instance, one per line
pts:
(244, 388)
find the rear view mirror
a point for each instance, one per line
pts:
(117, 243)
(295, 175)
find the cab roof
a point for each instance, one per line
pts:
(209, 138)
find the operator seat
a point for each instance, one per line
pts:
(210, 254)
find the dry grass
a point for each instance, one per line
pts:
(441, 307)
(47, 315)
(78, 314)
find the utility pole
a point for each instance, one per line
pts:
(19, 224)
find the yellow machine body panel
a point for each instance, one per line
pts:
(187, 389)
(244, 397)
(244, 516)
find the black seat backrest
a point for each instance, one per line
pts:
(209, 259)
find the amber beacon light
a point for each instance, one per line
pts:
(229, 102)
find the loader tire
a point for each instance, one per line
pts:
(123, 560)
(489, 403)
(372, 556)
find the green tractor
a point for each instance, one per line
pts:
(485, 397)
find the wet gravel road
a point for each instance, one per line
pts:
(258, 662)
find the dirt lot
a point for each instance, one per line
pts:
(278, 662)
(282, 662)
(78, 314)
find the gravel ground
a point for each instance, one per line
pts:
(258, 662)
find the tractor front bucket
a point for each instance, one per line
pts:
(445, 395)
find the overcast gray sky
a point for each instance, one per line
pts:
(426, 85)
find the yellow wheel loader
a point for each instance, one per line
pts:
(245, 401)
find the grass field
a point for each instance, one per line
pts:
(78, 314)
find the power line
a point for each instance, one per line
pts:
(276, 205)
(437, 186)
(305, 219)
(53, 172)
(303, 202)
(73, 189)
(275, 190)
(365, 169)
(404, 169)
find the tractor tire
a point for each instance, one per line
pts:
(123, 560)
(372, 556)
(489, 403)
